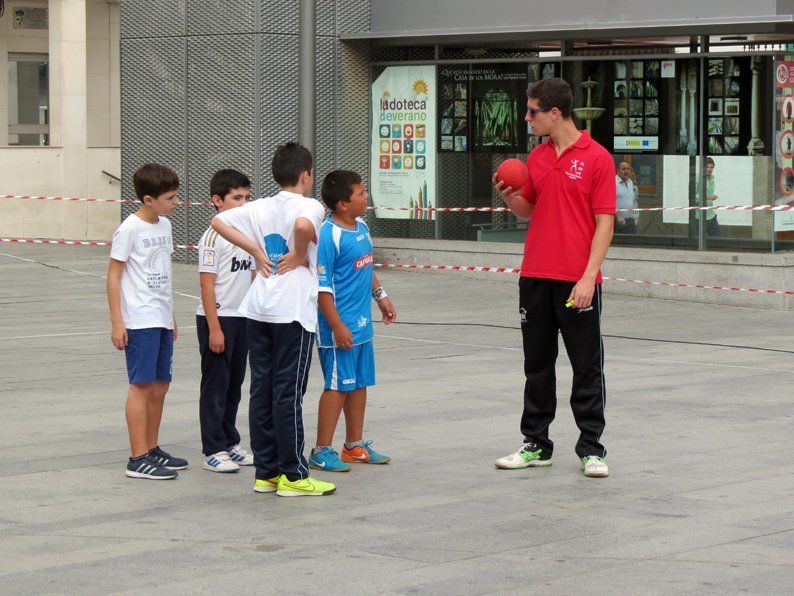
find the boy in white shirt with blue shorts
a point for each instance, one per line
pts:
(142, 316)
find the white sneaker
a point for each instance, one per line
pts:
(528, 456)
(241, 456)
(220, 462)
(595, 467)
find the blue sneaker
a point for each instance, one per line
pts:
(363, 453)
(146, 467)
(161, 458)
(327, 459)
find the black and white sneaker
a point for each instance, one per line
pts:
(161, 458)
(145, 467)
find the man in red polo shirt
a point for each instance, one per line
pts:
(570, 202)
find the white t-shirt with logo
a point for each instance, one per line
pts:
(145, 249)
(270, 222)
(232, 267)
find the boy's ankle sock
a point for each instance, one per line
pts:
(318, 448)
(139, 458)
(359, 443)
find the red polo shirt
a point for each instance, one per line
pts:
(568, 191)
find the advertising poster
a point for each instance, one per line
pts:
(784, 150)
(453, 109)
(498, 109)
(403, 141)
(481, 108)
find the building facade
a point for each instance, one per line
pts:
(661, 92)
(61, 117)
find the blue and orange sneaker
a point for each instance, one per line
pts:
(325, 458)
(363, 453)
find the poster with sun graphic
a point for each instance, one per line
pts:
(403, 142)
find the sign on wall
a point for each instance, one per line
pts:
(784, 132)
(482, 108)
(403, 142)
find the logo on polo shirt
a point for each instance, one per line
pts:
(575, 170)
(364, 261)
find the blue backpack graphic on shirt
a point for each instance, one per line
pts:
(275, 247)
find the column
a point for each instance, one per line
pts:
(692, 83)
(68, 110)
(682, 132)
(756, 144)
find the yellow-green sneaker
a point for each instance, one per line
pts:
(266, 486)
(306, 487)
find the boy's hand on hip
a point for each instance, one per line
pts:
(387, 310)
(582, 293)
(119, 336)
(217, 341)
(263, 264)
(342, 337)
(289, 262)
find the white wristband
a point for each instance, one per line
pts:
(379, 294)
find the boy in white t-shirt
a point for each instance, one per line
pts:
(280, 232)
(142, 316)
(225, 273)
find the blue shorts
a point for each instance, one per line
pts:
(348, 370)
(150, 355)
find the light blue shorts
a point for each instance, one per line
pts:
(348, 370)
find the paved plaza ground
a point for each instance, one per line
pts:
(699, 431)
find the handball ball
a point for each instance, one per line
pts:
(513, 172)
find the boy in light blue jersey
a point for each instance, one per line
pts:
(347, 284)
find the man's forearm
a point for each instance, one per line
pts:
(600, 245)
(519, 206)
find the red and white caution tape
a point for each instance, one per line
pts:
(77, 242)
(448, 268)
(443, 209)
(700, 286)
(45, 241)
(423, 209)
(682, 208)
(718, 208)
(92, 200)
(636, 281)
(441, 268)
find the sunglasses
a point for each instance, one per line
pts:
(532, 111)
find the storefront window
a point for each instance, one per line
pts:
(683, 132)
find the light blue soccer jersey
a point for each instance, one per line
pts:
(344, 268)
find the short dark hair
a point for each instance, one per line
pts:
(154, 179)
(225, 181)
(289, 161)
(552, 93)
(709, 161)
(338, 186)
